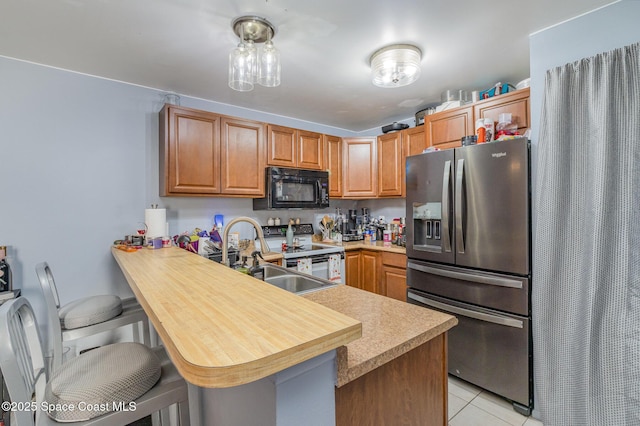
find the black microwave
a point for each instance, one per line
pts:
(294, 189)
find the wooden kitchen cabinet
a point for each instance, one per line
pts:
(333, 164)
(369, 271)
(390, 165)
(517, 103)
(414, 140)
(281, 146)
(189, 152)
(445, 129)
(393, 275)
(409, 390)
(352, 268)
(242, 157)
(361, 269)
(359, 168)
(377, 271)
(310, 150)
(206, 154)
(288, 147)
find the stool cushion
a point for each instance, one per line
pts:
(100, 381)
(89, 310)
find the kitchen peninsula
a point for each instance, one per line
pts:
(241, 341)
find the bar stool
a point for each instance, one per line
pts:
(112, 385)
(87, 316)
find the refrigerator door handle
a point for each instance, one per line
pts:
(501, 282)
(458, 208)
(509, 322)
(446, 178)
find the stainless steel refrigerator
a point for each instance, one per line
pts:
(469, 254)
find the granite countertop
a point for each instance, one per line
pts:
(348, 245)
(378, 246)
(390, 328)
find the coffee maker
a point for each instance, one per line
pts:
(350, 226)
(366, 218)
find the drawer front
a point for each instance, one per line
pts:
(394, 259)
(487, 348)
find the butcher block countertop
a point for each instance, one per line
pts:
(222, 328)
(390, 328)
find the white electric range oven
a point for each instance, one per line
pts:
(321, 260)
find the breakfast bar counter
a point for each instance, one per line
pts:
(223, 328)
(226, 330)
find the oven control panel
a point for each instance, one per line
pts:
(281, 230)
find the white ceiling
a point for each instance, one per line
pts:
(182, 46)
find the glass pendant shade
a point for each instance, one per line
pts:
(253, 60)
(396, 65)
(248, 66)
(269, 66)
(240, 75)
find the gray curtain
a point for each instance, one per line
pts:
(586, 266)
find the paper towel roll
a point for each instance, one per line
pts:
(156, 221)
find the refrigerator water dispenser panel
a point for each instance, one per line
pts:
(426, 226)
(427, 211)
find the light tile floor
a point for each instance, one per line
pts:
(472, 406)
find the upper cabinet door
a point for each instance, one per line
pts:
(414, 140)
(189, 152)
(446, 129)
(242, 152)
(517, 103)
(310, 150)
(333, 164)
(281, 146)
(359, 169)
(390, 169)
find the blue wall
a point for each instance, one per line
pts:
(78, 167)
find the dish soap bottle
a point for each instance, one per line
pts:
(289, 236)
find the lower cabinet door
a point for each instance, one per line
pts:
(395, 282)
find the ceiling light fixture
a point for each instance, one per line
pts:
(396, 65)
(247, 66)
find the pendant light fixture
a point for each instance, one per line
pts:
(396, 65)
(248, 65)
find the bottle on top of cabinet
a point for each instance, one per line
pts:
(505, 127)
(484, 130)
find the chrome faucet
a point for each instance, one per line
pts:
(264, 248)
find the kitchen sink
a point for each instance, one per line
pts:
(293, 281)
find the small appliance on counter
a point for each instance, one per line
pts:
(350, 227)
(352, 237)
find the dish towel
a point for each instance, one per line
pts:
(334, 268)
(304, 265)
